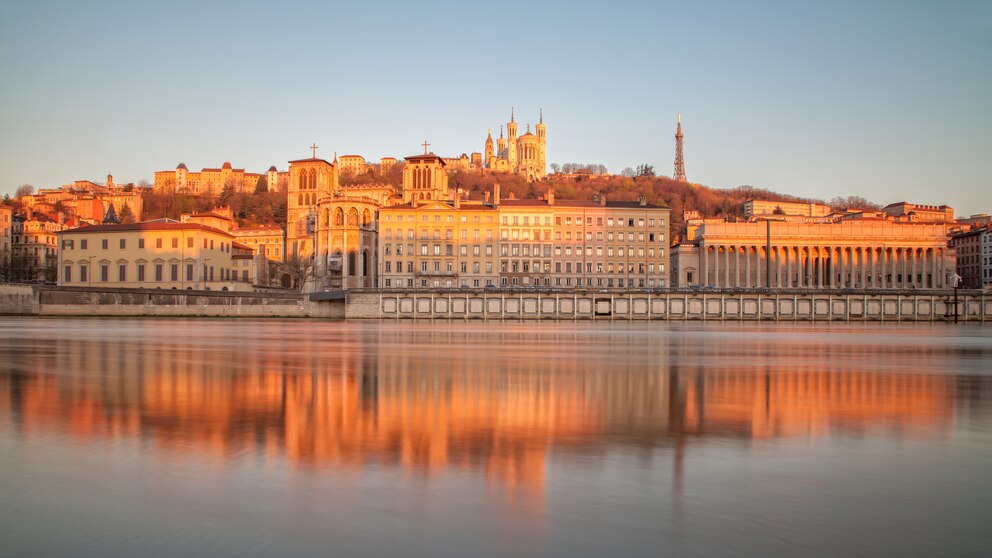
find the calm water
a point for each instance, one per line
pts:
(262, 438)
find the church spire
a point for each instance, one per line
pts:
(511, 114)
(541, 117)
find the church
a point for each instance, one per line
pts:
(525, 155)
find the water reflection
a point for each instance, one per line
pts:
(496, 400)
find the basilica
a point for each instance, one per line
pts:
(525, 155)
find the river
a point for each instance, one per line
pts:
(166, 437)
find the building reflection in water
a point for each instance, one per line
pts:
(492, 399)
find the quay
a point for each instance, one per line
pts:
(839, 305)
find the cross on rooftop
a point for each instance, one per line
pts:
(314, 148)
(426, 145)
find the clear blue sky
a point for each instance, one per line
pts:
(889, 100)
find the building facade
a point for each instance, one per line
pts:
(34, 247)
(971, 248)
(918, 213)
(160, 254)
(855, 253)
(213, 180)
(524, 243)
(755, 208)
(6, 226)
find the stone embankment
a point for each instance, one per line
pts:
(674, 305)
(84, 301)
(724, 305)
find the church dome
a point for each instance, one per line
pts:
(182, 166)
(227, 165)
(528, 137)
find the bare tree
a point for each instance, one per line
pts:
(23, 190)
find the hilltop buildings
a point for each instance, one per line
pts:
(214, 180)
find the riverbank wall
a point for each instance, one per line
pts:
(709, 305)
(35, 300)
(716, 305)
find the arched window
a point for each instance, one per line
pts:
(299, 199)
(338, 217)
(353, 217)
(366, 218)
(351, 263)
(365, 263)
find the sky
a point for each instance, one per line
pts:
(891, 101)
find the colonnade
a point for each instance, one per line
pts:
(833, 267)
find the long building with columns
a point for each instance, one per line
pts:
(857, 253)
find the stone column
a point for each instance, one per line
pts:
(747, 266)
(943, 267)
(726, 270)
(841, 267)
(912, 263)
(716, 265)
(788, 266)
(933, 268)
(702, 265)
(737, 266)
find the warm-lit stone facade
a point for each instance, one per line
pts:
(438, 244)
(33, 247)
(161, 254)
(213, 180)
(524, 243)
(973, 249)
(6, 225)
(754, 208)
(857, 253)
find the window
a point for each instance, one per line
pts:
(83, 272)
(189, 272)
(175, 242)
(123, 244)
(158, 270)
(67, 275)
(174, 272)
(189, 242)
(141, 272)
(122, 272)
(141, 243)
(104, 271)
(158, 244)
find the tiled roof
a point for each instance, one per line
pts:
(157, 225)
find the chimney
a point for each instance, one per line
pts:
(602, 198)
(487, 195)
(495, 194)
(551, 195)
(642, 199)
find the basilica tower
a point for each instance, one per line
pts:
(542, 143)
(511, 153)
(490, 152)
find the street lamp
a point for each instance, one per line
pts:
(956, 281)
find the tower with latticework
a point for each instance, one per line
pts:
(679, 161)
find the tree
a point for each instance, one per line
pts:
(645, 170)
(555, 168)
(23, 190)
(126, 216)
(300, 270)
(627, 172)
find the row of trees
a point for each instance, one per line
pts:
(578, 168)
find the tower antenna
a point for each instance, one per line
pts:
(679, 160)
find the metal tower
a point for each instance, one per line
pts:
(679, 161)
